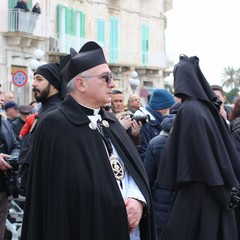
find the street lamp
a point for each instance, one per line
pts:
(134, 81)
(35, 62)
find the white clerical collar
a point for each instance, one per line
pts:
(94, 111)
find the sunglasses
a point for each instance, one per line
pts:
(106, 76)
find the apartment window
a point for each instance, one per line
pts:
(71, 21)
(145, 43)
(101, 31)
(114, 29)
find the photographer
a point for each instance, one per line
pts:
(8, 146)
(131, 126)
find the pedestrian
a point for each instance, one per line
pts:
(224, 109)
(24, 112)
(49, 90)
(87, 180)
(201, 161)
(11, 111)
(131, 126)
(159, 105)
(163, 197)
(134, 103)
(8, 147)
(36, 11)
(36, 8)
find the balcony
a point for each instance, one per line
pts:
(25, 28)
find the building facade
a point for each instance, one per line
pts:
(130, 32)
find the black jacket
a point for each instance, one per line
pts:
(79, 196)
(11, 146)
(163, 196)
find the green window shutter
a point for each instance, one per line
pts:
(101, 31)
(145, 43)
(68, 20)
(30, 5)
(82, 24)
(59, 17)
(114, 25)
(73, 22)
(12, 3)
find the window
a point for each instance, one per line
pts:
(101, 31)
(114, 39)
(145, 43)
(71, 21)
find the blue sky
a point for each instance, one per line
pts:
(209, 29)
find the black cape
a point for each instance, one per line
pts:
(201, 160)
(25, 156)
(73, 192)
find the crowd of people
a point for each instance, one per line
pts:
(93, 165)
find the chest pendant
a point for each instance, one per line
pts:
(117, 167)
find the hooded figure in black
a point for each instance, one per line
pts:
(84, 163)
(201, 160)
(50, 97)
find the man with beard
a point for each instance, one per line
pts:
(201, 161)
(87, 181)
(49, 90)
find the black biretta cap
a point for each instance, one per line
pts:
(89, 56)
(50, 71)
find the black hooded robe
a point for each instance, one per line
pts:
(201, 160)
(73, 192)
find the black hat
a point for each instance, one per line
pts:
(10, 104)
(89, 56)
(50, 71)
(25, 109)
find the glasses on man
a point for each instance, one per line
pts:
(106, 76)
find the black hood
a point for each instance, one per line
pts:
(189, 81)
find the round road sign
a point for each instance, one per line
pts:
(19, 78)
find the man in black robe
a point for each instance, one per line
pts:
(201, 160)
(87, 180)
(49, 90)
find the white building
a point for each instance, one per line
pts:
(131, 33)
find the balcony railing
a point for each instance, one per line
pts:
(26, 22)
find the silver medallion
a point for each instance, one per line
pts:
(105, 123)
(92, 125)
(117, 167)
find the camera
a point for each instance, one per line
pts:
(11, 177)
(141, 118)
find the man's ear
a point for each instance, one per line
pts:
(80, 84)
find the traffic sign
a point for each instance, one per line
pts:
(19, 78)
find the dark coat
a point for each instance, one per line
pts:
(73, 192)
(149, 131)
(25, 156)
(36, 10)
(22, 5)
(235, 130)
(11, 146)
(201, 160)
(163, 196)
(17, 125)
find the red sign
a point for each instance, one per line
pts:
(19, 78)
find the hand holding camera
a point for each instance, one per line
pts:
(3, 163)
